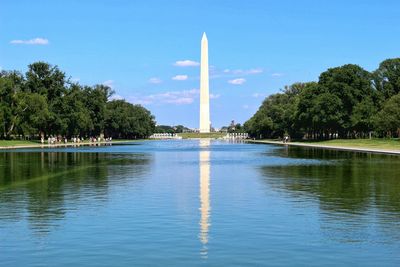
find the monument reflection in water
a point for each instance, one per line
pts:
(205, 207)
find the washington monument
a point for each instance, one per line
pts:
(204, 90)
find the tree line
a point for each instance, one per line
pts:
(345, 102)
(44, 102)
(171, 129)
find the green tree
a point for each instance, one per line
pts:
(46, 103)
(31, 113)
(47, 80)
(276, 116)
(387, 78)
(326, 114)
(362, 116)
(387, 121)
(124, 120)
(95, 100)
(351, 84)
(11, 84)
(305, 108)
(164, 129)
(76, 114)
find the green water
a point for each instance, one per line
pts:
(192, 203)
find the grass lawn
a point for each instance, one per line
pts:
(388, 144)
(201, 135)
(5, 143)
(10, 143)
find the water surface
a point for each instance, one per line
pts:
(198, 203)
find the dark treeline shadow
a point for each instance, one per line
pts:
(295, 152)
(43, 186)
(348, 187)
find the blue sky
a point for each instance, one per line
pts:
(148, 50)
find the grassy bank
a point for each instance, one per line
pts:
(7, 143)
(4, 144)
(201, 135)
(388, 146)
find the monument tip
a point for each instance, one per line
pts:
(204, 35)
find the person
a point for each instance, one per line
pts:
(285, 139)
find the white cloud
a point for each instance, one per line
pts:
(172, 97)
(243, 72)
(245, 106)
(276, 74)
(180, 78)
(155, 80)
(238, 81)
(232, 73)
(116, 97)
(257, 95)
(214, 96)
(109, 83)
(181, 100)
(186, 63)
(35, 41)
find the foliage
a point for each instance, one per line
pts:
(276, 115)
(124, 120)
(387, 78)
(388, 119)
(171, 129)
(346, 102)
(164, 129)
(43, 103)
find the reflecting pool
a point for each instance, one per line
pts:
(198, 203)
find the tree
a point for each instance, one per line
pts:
(31, 113)
(45, 79)
(387, 78)
(76, 114)
(387, 120)
(124, 120)
(44, 102)
(11, 84)
(48, 81)
(95, 100)
(304, 109)
(164, 129)
(261, 125)
(351, 84)
(180, 129)
(276, 116)
(327, 117)
(343, 103)
(362, 116)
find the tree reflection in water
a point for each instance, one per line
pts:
(43, 186)
(348, 187)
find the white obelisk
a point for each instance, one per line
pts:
(204, 90)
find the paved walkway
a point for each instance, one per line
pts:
(344, 148)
